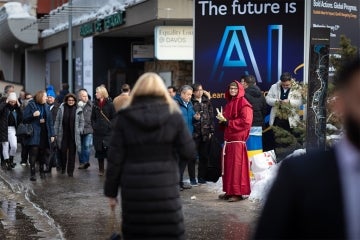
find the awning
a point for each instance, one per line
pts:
(17, 28)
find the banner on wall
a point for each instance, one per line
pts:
(233, 38)
(342, 17)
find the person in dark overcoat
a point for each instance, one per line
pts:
(37, 112)
(148, 136)
(102, 113)
(10, 117)
(68, 126)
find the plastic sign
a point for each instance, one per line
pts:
(174, 42)
(101, 25)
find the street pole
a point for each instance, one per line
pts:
(70, 60)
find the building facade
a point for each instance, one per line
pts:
(112, 44)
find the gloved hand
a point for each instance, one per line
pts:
(220, 115)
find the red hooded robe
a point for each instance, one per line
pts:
(239, 114)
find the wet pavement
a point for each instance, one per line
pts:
(61, 207)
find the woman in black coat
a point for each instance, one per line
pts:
(148, 136)
(102, 113)
(10, 117)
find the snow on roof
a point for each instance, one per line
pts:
(98, 12)
(16, 10)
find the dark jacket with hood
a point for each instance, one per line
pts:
(256, 98)
(5, 111)
(145, 142)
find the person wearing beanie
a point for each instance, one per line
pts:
(10, 117)
(50, 91)
(54, 106)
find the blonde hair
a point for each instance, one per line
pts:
(102, 90)
(39, 95)
(151, 84)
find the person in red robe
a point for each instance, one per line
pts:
(236, 120)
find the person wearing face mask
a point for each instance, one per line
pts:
(10, 117)
(281, 93)
(317, 195)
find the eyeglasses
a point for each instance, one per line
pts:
(70, 100)
(233, 89)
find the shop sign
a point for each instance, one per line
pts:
(101, 25)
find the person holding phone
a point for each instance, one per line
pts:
(203, 129)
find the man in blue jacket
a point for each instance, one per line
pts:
(189, 115)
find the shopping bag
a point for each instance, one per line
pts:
(213, 172)
(261, 163)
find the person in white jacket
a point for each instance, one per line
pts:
(282, 93)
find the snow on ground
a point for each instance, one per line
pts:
(261, 185)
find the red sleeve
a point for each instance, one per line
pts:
(244, 121)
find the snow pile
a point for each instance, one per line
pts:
(331, 127)
(16, 11)
(261, 185)
(296, 153)
(260, 188)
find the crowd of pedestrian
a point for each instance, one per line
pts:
(146, 137)
(63, 126)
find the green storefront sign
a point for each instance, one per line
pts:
(101, 25)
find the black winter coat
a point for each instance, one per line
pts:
(142, 161)
(205, 126)
(256, 98)
(4, 116)
(101, 126)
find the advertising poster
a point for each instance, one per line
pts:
(234, 37)
(342, 17)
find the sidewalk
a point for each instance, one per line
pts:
(60, 207)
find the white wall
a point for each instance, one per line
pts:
(53, 68)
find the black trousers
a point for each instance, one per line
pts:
(25, 150)
(68, 153)
(203, 153)
(191, 169)
(40, 155)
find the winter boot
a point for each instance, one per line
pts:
(32, 168)
(32, 173)
(42, 171)
(12, 164)
(3, 166)
(7, 164)
(101, 166)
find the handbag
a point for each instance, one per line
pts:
(24, 130)
(114, 226)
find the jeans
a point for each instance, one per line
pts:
(86, 144)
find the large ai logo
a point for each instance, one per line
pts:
(235, 51)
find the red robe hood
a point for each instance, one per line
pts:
(241, 92)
